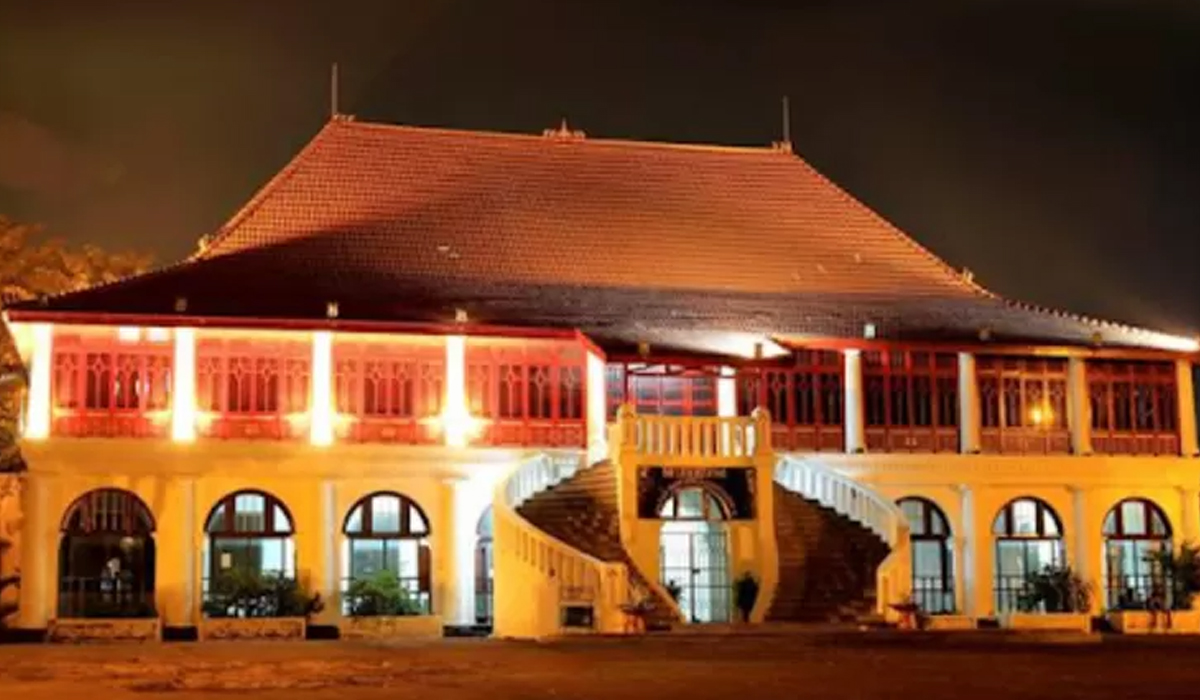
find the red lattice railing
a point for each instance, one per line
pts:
(102, 386)
(252, 388)
(389, 392)
(1134, 407)
(527, 393)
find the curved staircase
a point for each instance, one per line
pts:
(582, 511)
(827, 563)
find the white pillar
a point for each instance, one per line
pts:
(856, 439)
(1186, 391)
(38, 414)
(327, 574)
(966, 561)
(37, 538)
(321, 408)
(968, 404)
(597, 409)
(727, 393)
(959, 543)
(1079, 416)
(456, 419)
(470, 498)
(191, 533)
(183, 386)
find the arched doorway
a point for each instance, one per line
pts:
(387, 557)
(250, 549)
(694, 553)
(484, 569)
(106, 557)
(932, 555)
(1136, 531)
(1028, 536)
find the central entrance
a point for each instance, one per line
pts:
(694, 554)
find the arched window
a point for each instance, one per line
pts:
(1028, 537)
(106, 557)
(932, 555)
(484, 569)
(694, 552)
(387, 563)
(249, 544)
(692, 503)
(1136, 532)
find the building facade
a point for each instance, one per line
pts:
(548, 383)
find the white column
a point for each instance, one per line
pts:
(727, 393)
(968, 404)
(183, 386)
(330, 528)
(597, 409)
(1078, 409)
(37, 417)
(856, 438)
(456, 419)
(966, 557)
(37, 538)
(959, 543)
(471, 498)
(1186, 391)
(321, 409)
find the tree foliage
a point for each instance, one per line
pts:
(32, 265)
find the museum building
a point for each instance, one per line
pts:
(545, 384)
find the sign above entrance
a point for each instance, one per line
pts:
(733, 488)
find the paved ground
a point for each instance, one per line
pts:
(738, 668)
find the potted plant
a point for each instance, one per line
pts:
(250, 604)
(1054, 598)
(745, 594)
(1167, 606)
(380, 606)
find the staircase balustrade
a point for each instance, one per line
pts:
(692, 439)
(544, 563)
(865, 506)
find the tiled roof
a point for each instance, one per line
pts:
(624, 240)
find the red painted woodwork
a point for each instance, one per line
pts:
(1023, 405)
(389, 392)
(805, 397)
(910, 401)
(527, 393)
(1134, 407)
(663, 390)
(252, 388)
(105, 387)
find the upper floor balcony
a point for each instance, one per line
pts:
(325, 386)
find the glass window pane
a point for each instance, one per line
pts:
(216, 522)
(366, 558)
(914, 513)
(249, 513)
(668, 508)
(416, 523)
(1049, 523)
(1024, 516)
(385, 513)
(690, 504)
(282, 522)
(354, 522)
(1133, 517)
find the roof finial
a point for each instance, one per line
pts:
(563, 128)
(333, 91)
(786, 144)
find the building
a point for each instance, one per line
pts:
(541, 379)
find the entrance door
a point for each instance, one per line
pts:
(484, 570)
(694, 560)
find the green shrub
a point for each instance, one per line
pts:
(380, 594)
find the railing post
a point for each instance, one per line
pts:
(762, 433)
(1078, 411)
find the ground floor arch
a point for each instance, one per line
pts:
(694, 552)
(387, 567)
(106, 557)
(932, 555)
(1028, 537)
(250, 560)
(1136, 534)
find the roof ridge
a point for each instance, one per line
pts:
(266, 190)
(587, 140)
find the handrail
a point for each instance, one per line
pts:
(844, 495)
(693, 438)
(580, 577)
(865, 506)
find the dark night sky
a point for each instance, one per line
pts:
(1050, 146)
